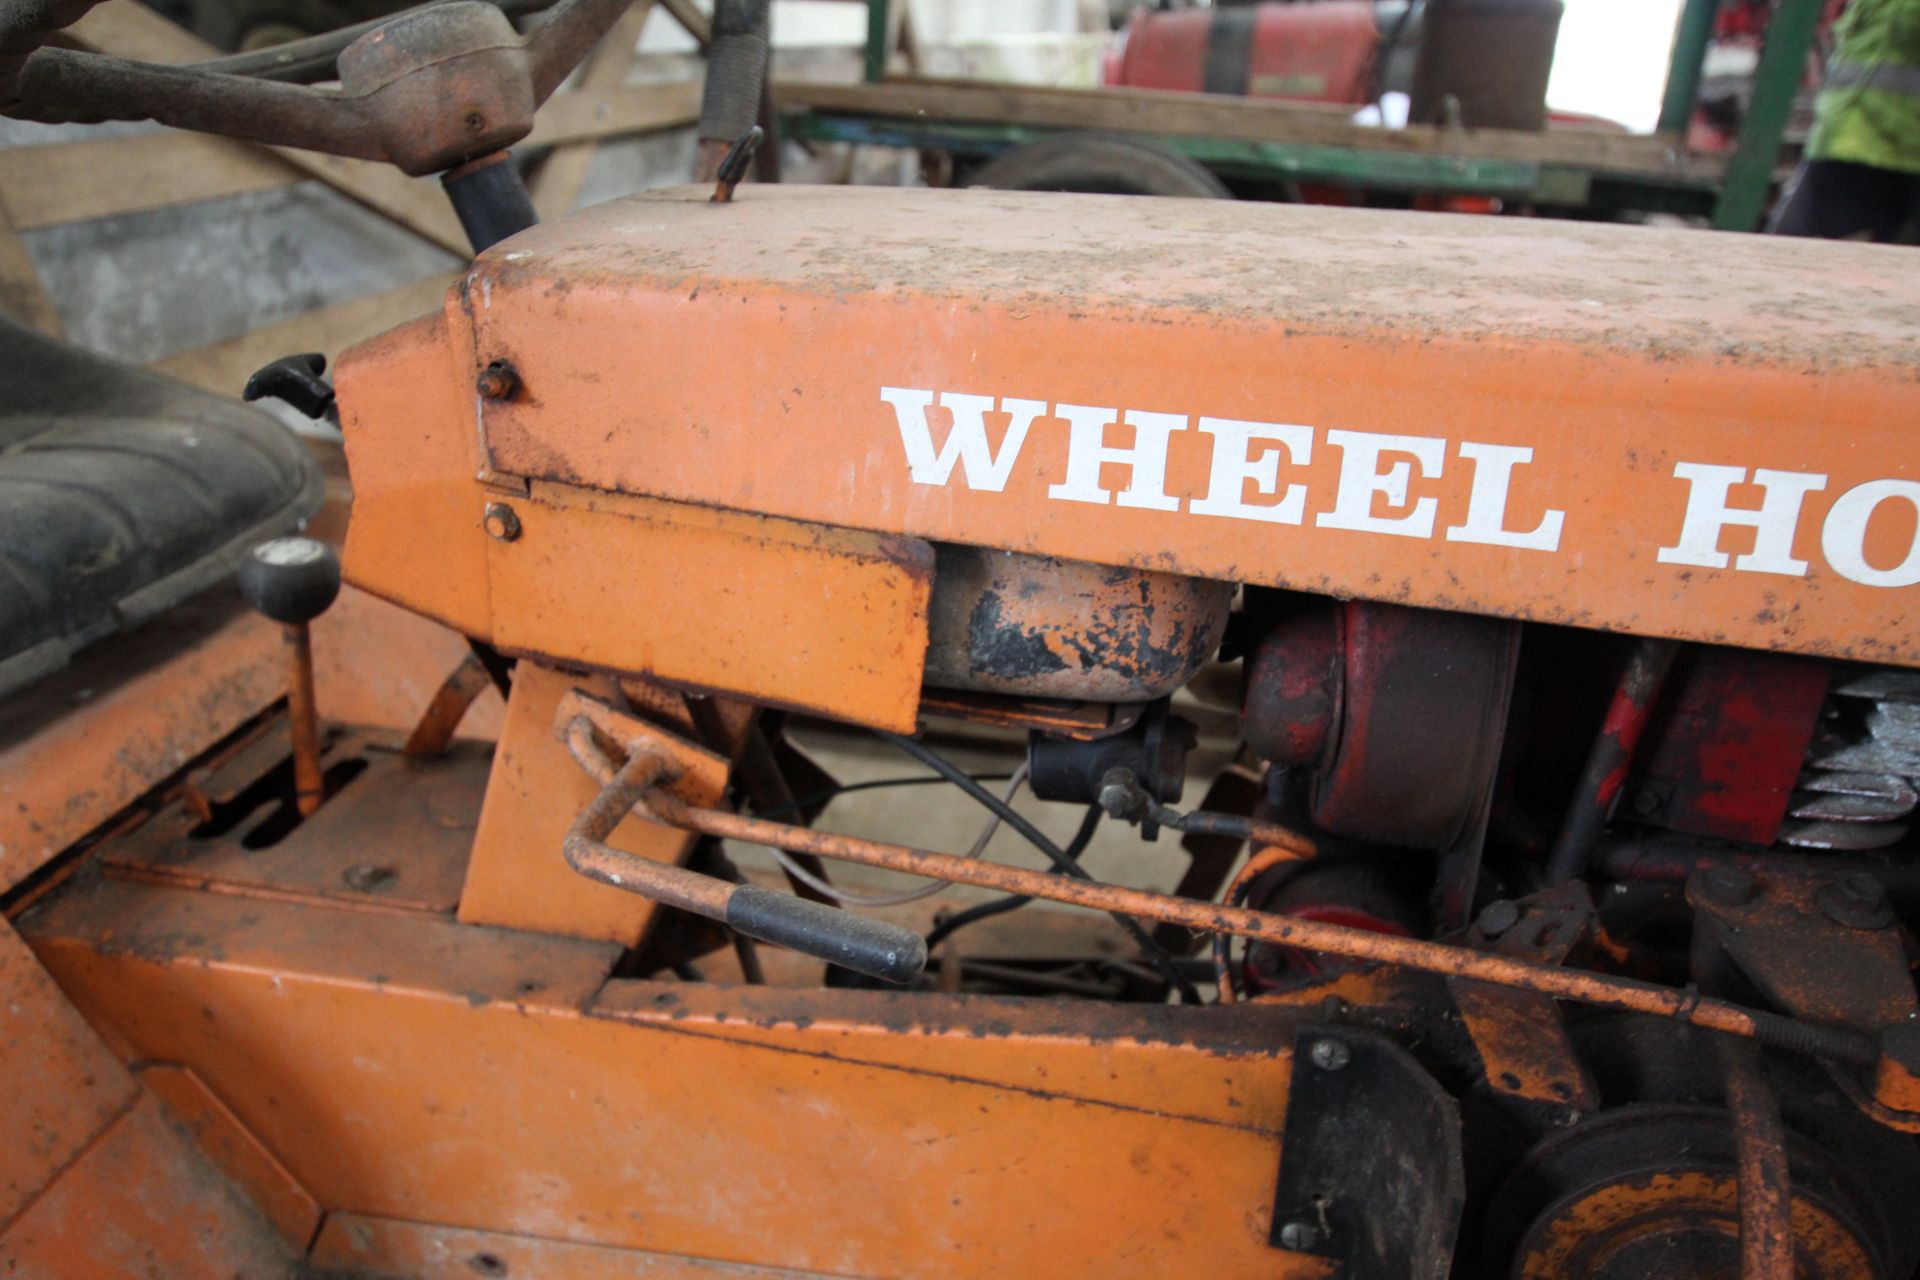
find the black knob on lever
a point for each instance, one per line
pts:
(295, 380)
(292, 581)
(873, 947)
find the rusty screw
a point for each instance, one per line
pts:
(1856, 900)
(1497, 917)
(1330, 1055)
(1728, 886)
(502, 521)
(497, 381)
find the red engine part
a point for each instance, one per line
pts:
(1399, 712)
(1357, 892)
(1316, 52)
(1722, 755)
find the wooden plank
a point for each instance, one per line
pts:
(689, 15)
(76, 181)
(135, 31)
(598, 114)
(22, 296)
(1246, 119)
(71, 182)
(224, 367)
(557, 184)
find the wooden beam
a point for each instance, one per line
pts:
(557, 184)
(135, 31)
(224, 367)
(22, 296)
(75, 181)
(689, 16)
(1241, 119)
(598, 114)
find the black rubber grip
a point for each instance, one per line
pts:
(872, 947)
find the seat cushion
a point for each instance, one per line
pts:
(122, 493)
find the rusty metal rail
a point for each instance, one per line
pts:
(867, 946)
(1604, 990)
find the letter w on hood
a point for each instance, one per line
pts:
(966, 442)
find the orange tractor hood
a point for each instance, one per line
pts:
(1678, 433)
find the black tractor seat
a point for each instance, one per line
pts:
(121, 494)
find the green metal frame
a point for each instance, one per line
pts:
(1776, 83)
(877, 51)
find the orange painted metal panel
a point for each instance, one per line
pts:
(407, 414)
(823, 619)
(142, 1202)
(392, 1066)
(346, 852)
(237, 1154)
(517, 876)
(832, 621)
(1344, 400)
(421, 1251)
(59, 1085)
(80, 747)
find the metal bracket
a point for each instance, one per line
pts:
(1370, 1165)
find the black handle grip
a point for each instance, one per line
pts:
(872, 947)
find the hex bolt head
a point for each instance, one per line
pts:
(502, 521)
(498, 381)
(1856, 900)
(1728, 886)
(1299, 1236)
(1497, 917)
(291, 580)
(1330, 1055)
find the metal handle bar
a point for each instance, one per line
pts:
(426, 90)
(872, 947)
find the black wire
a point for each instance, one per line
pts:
(1000, 906)
(1155, 954)
(834, 792)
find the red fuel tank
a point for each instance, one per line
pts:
(1317, 52)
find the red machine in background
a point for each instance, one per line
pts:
(1481, 63)
(1323, 52)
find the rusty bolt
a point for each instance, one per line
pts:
(497, 381)
(1498, 917)
(1299, 1236)
(1728, 886)
(502, 522)
(1330, 1055)
(1856, 900)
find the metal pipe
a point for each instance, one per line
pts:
(1776, 83)
(1760, 1154)
(441, 720)
(1684, 69)
(303, 720)
(1610, 757)
(1605, 990)
(1671, 861)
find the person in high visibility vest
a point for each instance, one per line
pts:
(1860, 179)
